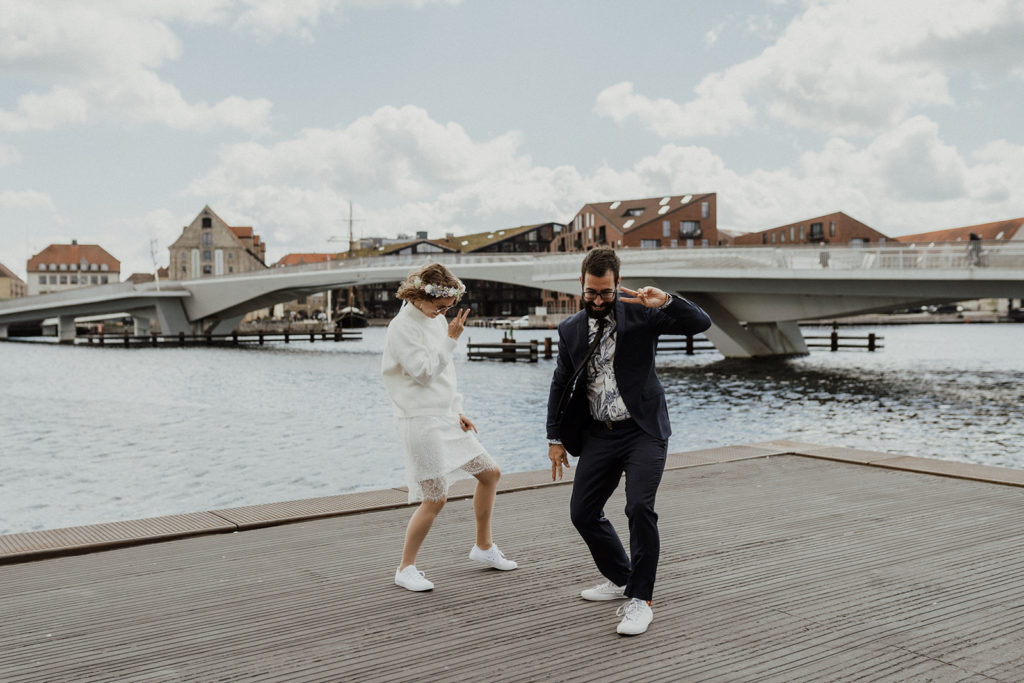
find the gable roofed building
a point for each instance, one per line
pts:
(208, 247)
(988, 232)
(672, 221)
(11, 286)
(836, 228)
(70, 266)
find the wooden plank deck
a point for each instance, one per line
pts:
(782, 568)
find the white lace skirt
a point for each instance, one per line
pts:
(437, 454)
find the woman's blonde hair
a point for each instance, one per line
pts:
(432, 281)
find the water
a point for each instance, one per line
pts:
(94, 435)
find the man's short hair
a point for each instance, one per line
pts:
(599, 261)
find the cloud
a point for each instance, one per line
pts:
(9, 155)
(96, 61)
(27, 199)
(267, 18)
(845, 67)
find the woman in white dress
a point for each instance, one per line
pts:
(440, 447)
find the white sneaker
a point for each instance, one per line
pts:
(412, 579)
(606, 591)
(492, 557)
(636, 615)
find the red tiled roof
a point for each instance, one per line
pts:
(300, 259)
(987, 231)
(242, 231)
(74, 254)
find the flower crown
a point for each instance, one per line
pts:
(439, 291)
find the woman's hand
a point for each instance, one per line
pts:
(466, 423)
(455, 327)
(559, 459)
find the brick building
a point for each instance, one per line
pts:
(677, 221)
(835, 228)
(59, 267)
(998, 231)
(209, 247)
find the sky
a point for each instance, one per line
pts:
(121, 119)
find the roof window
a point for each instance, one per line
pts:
(635, 211)
(629, 223)
(664, 201)
(615, 205)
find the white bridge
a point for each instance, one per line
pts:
(754, 295)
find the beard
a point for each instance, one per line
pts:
(597, 313)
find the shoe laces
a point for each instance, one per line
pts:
(631, 610)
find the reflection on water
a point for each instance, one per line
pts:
(92, 435)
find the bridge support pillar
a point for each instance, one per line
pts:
(171, 316)
(226, 325)
(66, 329)
(758, 340)
(142, 324)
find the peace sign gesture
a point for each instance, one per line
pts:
(455, 327)
(649, 297)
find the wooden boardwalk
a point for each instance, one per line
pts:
(780, 562)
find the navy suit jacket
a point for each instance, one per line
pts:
(637, 329)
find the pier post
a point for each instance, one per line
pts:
(689, 345)
(3, 332)
(871, 341)
(834, 340)
(547, 348)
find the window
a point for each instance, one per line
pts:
(801, 233)
(74, 266)
(231, 256)
(689, 229)
(831, 228)
(207, 255)
(95, 279)
(675, 243)
(104, 279)
(782, 236)
(792, 233)
(63, 279)
(666, 228)
(94, 266)
(74, 279)
(817, 232)
(42, 279)
(764, 238)
(207, 239)
(634, 212)
(775, 237)
(705, 209)
(63, 266)
(207, 270)
(184, 268)
(590, 234)
(650, 244)
(104, 267)
(207, 222)
(53, 279)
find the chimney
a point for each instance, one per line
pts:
(421, 234)
(74, 243)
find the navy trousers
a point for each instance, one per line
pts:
(604, 456)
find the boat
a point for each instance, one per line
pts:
(350, 316)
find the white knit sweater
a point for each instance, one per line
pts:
(417, 367)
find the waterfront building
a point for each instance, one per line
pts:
(835, 228)
(209, 247)
(677, 221)
(142, 278)
(998, 231)
(11, 286)
(59, 267)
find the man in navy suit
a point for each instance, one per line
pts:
(607, 406)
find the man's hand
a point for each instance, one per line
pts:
(559, 459)
(650, 297)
